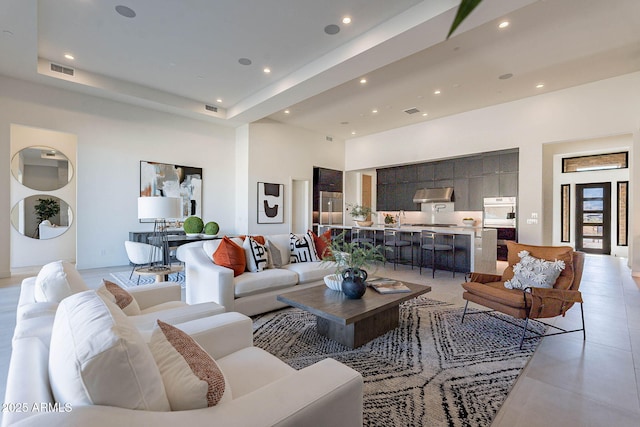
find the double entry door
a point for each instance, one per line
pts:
(593, 218)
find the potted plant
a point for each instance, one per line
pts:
(193, 226)
(351, 259)
(360, 213)
(44, 210)
(389, 220)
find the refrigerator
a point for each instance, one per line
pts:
(330, 208)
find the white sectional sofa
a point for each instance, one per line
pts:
(86, 368)
(249, 293)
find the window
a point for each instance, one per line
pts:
(595, 162)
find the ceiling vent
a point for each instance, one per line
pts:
(411, 110)
(60, 69)
(328, 138)
(211, 108)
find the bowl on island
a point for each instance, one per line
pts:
(364, 223)
(468, 222)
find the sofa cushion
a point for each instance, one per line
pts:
(255, 254)
(283, 242)
(550, 253)
(534, 272)
(495, 291)
(231, 255)
(192, 379)
(56, 281)
(274, 255)
(311, 271)
(303, 248)
(322, 243)
(120, 297)
(97, 357)
(266, 280)
(210, 246)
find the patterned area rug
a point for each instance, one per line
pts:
(430, 371)
(122, 278)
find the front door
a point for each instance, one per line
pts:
(593, 218)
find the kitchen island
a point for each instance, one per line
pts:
(475, 246)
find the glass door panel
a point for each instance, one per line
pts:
(593, 217)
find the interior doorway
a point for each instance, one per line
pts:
(365, 193)
(593, 218)
(300, 206)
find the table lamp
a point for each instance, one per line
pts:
(159, 209)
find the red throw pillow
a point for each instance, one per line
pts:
(230, 255)
(323, 243)
(259, 239)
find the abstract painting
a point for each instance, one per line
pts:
(270, 203)
(165, 180)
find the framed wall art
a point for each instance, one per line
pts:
(270, 203)
(167, 180)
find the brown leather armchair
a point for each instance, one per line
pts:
(533, 303)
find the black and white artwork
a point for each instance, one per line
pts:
(166, 180)
(270, 203)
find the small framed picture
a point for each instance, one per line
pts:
(270, 203)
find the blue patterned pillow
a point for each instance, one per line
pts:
(534, 272)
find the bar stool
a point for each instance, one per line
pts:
(393, 239)
(435, 242)
(361, 236)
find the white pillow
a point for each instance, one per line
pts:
(534, 272)
(120, 297)
(275, 255)
(56, 281)
(97, 357)
(256, 255)
(302, 248)
(192, 379)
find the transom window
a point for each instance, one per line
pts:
(596, 162)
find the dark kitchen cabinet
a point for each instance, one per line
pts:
(425, 172)
(509, 162)
(327, 179)
(491, 185)
(386, 176)
(406, 174)
(443, 170)
(476, 194)
(508, 184)
(461, 194)
(461, 168)
(441, 183)
(490, 165)
(475, 166)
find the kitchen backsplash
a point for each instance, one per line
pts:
(418, 217)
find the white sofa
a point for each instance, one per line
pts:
(265, 391)
(249, 293)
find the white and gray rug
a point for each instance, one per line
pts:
(122, 278)
(430, 371)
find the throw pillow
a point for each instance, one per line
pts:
(230, 255)
(302, 248)
(257, 238)
(120, 297)
(98, 357)
(275, 255)
(322, 243)
(534, 272)
(256, 255)
(192, 379)
(56, 281)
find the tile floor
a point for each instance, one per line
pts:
(567, 383)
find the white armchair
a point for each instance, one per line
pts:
(265, 391)
(141, 254)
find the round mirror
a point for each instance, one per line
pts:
(41, 168)
(41, 216)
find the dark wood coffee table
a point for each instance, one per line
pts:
(352, 322)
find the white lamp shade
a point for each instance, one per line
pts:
(159, 207)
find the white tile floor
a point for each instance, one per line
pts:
(567, 383)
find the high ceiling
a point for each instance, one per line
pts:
(179, 56)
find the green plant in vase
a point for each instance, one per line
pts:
(44, 210)
(351, 259)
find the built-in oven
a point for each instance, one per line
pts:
(500, 213)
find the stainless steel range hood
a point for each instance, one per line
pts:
(430, 195)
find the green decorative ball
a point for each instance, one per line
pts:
(193, 225)
(211, 228)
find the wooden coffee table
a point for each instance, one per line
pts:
(352, 322)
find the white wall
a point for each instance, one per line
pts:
(279, 154)
(604, 108)
(112, 139)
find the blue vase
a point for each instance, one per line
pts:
(354, 283)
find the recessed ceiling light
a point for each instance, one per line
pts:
(346, 20)
(374, 111)
(69, 56)
(539, 85)
(287, 111)
(125, 11)
(267, 70)
(219, 100)
(363, 80)
(244, 61)
(353, 132)
(332, 29)
(503, 24)
(437, 92)
(425, 114)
